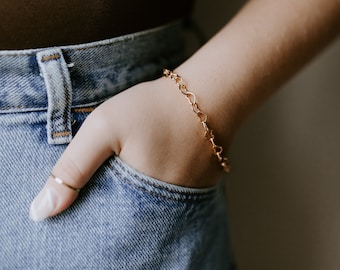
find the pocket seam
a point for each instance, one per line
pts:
(163, 189)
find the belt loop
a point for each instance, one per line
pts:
(54, 70)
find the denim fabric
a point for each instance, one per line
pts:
(122, 218)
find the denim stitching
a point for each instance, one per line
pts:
(162, 187)
(57, 93)
(64, 133)
(84, 110)
(76, 110)
(186, 199)
(188, 196)
(51, 57)
(61, 134)
(12, 107)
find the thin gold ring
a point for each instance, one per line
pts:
(61, 182)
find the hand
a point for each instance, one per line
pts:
(151, 127)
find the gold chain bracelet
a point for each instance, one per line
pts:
(203, 117)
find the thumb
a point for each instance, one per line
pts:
(91, 146)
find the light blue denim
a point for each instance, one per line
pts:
(122, 218)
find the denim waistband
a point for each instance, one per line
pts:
(90, 72)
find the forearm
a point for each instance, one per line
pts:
(255, 53)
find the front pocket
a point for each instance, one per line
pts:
(157, 187)
(159, 225)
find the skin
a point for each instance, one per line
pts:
(236, 71)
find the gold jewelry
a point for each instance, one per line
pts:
(203, 117)
(61, 182)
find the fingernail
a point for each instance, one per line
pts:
(43, 205)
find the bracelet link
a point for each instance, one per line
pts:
(203, 117)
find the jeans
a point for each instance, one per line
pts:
(122, 219)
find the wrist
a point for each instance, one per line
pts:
(218, 100)
(209, 134)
